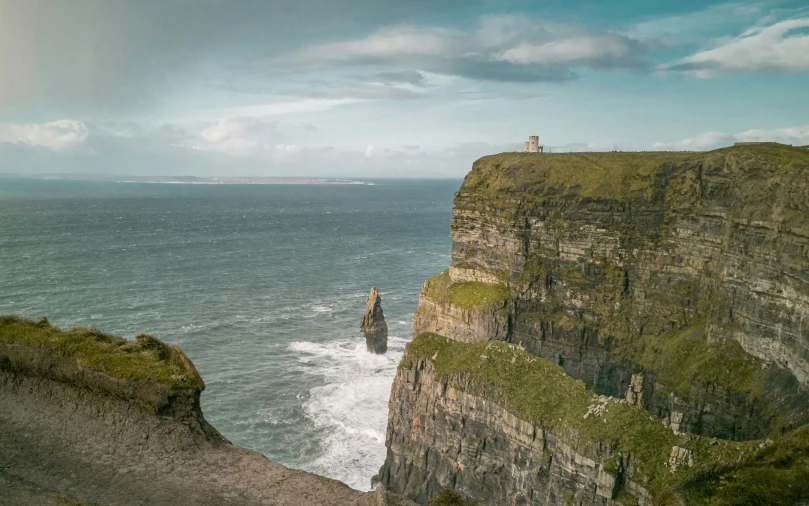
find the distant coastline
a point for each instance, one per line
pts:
(246, 181)
(192, 179)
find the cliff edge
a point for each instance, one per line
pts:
(666, 294)
(90, 418)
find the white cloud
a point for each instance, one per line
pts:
(55, 135)
(708, 140)
(391, 42)
(502, 48)
(697, 25)
(287, 148)
(369, 151)
(711, 140)
(782, 47)
(280, 108)
(593, 48)
(240, 136)
(790, 135)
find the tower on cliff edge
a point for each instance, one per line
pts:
(532, 146)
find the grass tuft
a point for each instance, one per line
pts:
(145, 358)
(466, 294)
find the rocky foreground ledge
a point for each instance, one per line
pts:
(90, 418)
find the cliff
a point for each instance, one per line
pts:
(91, 418)
(675, 283)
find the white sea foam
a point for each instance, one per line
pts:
(351, 408)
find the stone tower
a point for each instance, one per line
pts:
(532, 146)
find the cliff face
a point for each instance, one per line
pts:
(703, 257)
(443, 436)
(501, 426)
(90, 418)
(678, 282)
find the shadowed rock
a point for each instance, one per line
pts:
(373, 325)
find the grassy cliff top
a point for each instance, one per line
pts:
(466, 294)
(627, 175)
(145, 358)
(538, 390)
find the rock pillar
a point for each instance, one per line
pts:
(373, 325)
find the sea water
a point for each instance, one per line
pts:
(263, 286)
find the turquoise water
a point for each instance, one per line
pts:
(263, 286)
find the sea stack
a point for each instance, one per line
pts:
(373, 325)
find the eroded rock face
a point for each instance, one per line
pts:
(442, 437)
(677, 281)
(373, 325)
(710, 255)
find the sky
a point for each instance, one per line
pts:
(373, 88)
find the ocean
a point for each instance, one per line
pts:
(263, 286)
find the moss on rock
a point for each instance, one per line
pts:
(683, 356)
(539, 391)
(466, 294)
(769, 473)
(145, 358)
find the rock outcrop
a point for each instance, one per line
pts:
(498, 425)
(373, 325)
(676, 283)
(90, 418)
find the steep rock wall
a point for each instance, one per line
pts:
(498, 425)
(675, 284)
(441, 437)
(603, 276)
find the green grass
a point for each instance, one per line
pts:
(437, 287)
(776, 474)
(538, 390)
(472, 294)
(466, 294)
(609, 175)
(769, 179)
(466, 265)
(679, 357)
(145, 358)
(725, 472)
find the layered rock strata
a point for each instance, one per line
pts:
(676, 282)
(83, 422)
(700, 256)
(500, 426)
(373, 325)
